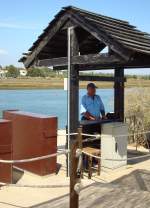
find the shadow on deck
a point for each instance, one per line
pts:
(130, 191)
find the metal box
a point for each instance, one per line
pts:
(114, 145)
(34, 135)
(5, 150)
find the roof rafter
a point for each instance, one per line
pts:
(102, 36)
(45, 40)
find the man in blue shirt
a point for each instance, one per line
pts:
(92, 107)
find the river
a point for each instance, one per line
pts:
(49, 102)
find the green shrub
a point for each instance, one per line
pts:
(35, 72)
(12, 71)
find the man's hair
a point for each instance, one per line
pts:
(91, 85)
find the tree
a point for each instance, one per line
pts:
(12, 71)
(41, 72)
(35, 72)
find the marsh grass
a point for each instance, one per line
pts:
(137, 113)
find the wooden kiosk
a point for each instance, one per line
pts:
(75, 38)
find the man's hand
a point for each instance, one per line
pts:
(89, 116)
(92, 118)
(104, 117)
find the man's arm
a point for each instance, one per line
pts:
(102, 108)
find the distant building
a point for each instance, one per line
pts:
(23, 72)
(2, 72)
(62, 72)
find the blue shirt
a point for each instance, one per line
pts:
(93, 105)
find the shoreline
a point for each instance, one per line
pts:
(58, 83)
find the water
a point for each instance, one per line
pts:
(49, 102)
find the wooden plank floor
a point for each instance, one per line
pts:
(129, 191)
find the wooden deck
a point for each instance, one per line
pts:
(121, 188)
(130, 191)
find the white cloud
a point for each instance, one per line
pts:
(17, 26)
(3, 52)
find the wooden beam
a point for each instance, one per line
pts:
(101, 78)
(73, 49)
(135, 63)
(96, 59)
(103, 59)
(61, 61)
(97, 62)
(74, 83)
(119, 94)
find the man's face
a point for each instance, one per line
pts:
(91, 91)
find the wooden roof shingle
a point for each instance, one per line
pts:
(119, 35)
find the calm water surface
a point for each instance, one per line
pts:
(49, 102)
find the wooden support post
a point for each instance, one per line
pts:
(80, 144)
(119, 94)
(74, 197)
(80, 140)
(73, 111)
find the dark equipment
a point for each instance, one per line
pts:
(94, 127)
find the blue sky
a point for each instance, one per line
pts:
(21, 21)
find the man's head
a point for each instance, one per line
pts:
(91, 89)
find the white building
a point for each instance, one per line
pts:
(2, 72)
(23, 72)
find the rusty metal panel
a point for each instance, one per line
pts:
(5, 150)
(34, 135)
